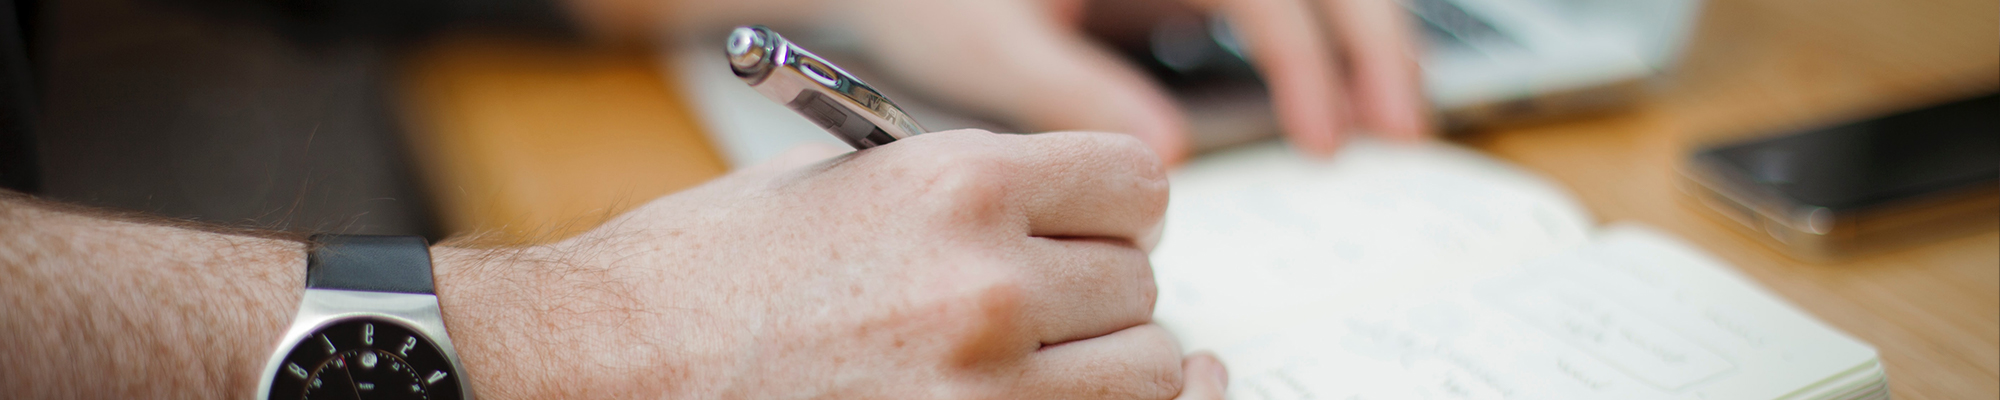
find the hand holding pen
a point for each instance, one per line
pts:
(1065, 316)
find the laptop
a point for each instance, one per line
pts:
(1497, 60)
(1483, 61)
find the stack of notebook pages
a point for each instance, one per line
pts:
(1432, 272)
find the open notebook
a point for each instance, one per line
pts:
(1419, 272)
(1432, 272)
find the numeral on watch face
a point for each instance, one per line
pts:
(340, 361)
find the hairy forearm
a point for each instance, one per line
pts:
(99, 306)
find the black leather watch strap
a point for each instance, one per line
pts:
(370, 263)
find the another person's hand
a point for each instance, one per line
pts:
(1333, 66)
(957, 264)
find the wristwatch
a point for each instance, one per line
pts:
(369, 327)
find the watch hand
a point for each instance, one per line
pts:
(351, 383)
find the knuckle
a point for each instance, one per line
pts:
(1151, 373)
(1123, 279)
(1146, 165)
(971, 178)
(989, 311)
(963, 198)
(999, 295)
(1135, 151)
(1122, 147)
(963, 180)
(1129, 154)
(1152, 200)
(1149, 288)
(985, 285)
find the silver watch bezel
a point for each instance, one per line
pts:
(323, 307)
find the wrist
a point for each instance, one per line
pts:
(550, 322)
(471, 289)
(269, 304)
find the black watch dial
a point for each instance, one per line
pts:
(365, 358)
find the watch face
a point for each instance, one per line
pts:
(365, 358)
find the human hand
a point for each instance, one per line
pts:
(1332, 66)
(956, 264)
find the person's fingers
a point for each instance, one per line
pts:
(1085, 288)
(1009, 59)
(1285, 43)
(1089, 185)
(1203, 378)
(1385, 84)
(1058, 184)
(1138, 363)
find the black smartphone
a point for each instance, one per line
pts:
(1850, 187)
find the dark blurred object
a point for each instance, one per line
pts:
(1832, 191)
(1198, 59)
(1178, 45)
(20, 169)
(273, 114)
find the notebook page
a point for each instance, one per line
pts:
(1780, 351)
(1634, 315)
(1262, 231)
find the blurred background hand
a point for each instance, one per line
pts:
(1333, 66)
(1024, 62)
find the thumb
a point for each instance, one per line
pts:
(1204, 378)
(1019, 64)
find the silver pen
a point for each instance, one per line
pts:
(816, 89)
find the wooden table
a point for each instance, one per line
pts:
(1758, 66)
(532, 142)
